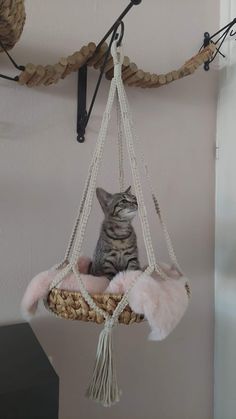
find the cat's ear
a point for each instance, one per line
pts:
(104, 198)
(128, 190)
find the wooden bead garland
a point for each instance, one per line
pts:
(132, 76)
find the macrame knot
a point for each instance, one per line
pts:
(110, 323)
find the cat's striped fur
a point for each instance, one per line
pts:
(116, 248)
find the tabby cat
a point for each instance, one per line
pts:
(116, 248)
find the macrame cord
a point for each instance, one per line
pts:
(155, 198)
(120, 146)
(103, 387)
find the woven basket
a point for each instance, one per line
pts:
(12, 19)
(71, 305)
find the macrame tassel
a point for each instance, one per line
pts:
(104, 387)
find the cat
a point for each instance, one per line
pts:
(116, 249)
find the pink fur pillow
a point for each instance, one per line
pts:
(39, 286)
(163, 303)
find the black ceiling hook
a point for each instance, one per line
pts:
(122, 30)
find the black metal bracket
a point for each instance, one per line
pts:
(82, 114)
(18, 67)
(81, 103)
(226, 30)
(206, 42)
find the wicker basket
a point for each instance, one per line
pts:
(71, 305)
(12, 19)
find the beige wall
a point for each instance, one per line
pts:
(42, 170)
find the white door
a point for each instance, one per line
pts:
(225, 260)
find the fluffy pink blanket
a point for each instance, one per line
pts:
(163, 303)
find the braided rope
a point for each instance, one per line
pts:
(61, 274)
(76, 224)
(126, 118)
(80, 209)
(155, 198)
(120, 145)
(86, 207)
(92, 186)
(165, 231)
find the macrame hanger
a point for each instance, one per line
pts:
(104, 386)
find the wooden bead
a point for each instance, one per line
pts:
(206, 56)
(49, 80)
(48, 74)
(152, 81)
(79, 59)
(191, 69)
(100, 61)
(98, 54)
(26, 75)
(169, 77)
(70, 65)
(58, 71)
(194, 61)
(211, 47)
(63, 61)
(157, 84)
(126, 62)
(92, 48)
(136, 77)
(186, 70)
(85, 51)
(146, 80)
(129, 71)
(37, 77)
(162, 79)
(175, 75)
(71, 60)
(200, 58)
